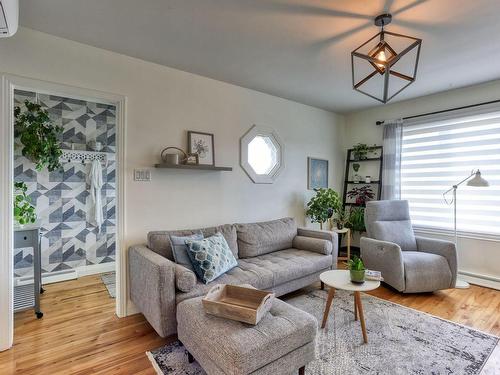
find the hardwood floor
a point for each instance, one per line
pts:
(79, 333)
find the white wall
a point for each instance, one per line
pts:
(162, 104)
(478, 257)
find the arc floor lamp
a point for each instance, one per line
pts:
(474, 179)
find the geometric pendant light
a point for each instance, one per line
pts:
(386, 64)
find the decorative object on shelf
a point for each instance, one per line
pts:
(191, 159)
(356, 220)
(24, 211)
(203, 145)
(95, 145)
(381, 60)
(323, 205)
(356, 270)
(474, 179)
(83, 157)
(262, 154)
(317, 173)
(38, 135)
(368, 179)
(361, 195)
(360, 151)
(172, 158)
(356, 166)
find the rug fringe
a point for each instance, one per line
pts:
(154, 364)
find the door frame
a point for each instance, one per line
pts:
(9, 83)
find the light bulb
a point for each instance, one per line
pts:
(382, 57)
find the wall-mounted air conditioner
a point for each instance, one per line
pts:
(9, 17)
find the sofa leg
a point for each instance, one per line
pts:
(302, 370)
(322, 285)
(190, 358)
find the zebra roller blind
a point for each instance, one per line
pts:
(440, 151)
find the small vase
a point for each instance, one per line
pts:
(340, 226)
(357, 178)
(357, 277)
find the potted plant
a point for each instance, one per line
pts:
(356, 221)
(361, 195)
(323, 205)
(39, 137)
(360, 151)
(24, 211)
(356, 270)
(342, 218)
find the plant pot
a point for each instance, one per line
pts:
(340, 226)
(357, 277)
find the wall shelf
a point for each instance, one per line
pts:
(193, 167)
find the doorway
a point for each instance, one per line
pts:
(73, 243)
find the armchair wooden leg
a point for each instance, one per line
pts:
(302, 370)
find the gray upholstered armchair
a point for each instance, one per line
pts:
(408, 263)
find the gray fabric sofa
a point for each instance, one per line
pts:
(408, 263)
(274, 255)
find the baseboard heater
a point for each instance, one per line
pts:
(24, 296)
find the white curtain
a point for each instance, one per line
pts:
(391, 166)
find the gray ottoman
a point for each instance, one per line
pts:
(282, 343)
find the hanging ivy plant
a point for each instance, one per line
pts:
(38, 136)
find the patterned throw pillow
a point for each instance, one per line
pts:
(210, 257)
(180, 249)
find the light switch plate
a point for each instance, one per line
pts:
(142, 175)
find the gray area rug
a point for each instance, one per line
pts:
(400, 341)
(109, 280)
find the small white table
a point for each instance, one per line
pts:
(340, 279)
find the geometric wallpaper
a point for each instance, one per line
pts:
(62, 197)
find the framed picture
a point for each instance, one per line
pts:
(202, 144)
(317, 173)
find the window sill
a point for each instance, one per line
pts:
(460, 234)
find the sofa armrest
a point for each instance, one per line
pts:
(446, 249)
(313, 244)
(385, 257)
(152, 288)
(323, 235)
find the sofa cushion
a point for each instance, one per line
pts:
(211, 257)
(290, 264)
(159, 241)
(180, 249)
(185, 279)
(261, 238)
(399, 232)
(312, 244)
(425, 272)
(258, 277)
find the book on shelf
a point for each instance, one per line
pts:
(373, 275)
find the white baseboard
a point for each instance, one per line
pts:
(479, 279)
(96, 268)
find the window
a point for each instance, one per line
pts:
(261, 154)
(440, 152)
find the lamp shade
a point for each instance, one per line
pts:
(478, 181)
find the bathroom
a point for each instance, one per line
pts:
(73, 195)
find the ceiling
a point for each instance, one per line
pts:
(295, 49)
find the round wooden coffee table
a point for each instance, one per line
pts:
(340, 279)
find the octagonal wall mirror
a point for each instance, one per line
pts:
(262, 154)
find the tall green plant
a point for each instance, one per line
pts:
(38, 136)
(357, 219)
(323, 205)
(24, 211)
(360, 151)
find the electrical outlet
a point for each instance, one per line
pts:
(142, 175)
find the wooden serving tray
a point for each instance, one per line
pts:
(244, 304)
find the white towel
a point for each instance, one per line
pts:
(95, 181)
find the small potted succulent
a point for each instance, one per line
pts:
(356, 269)
(342, 218)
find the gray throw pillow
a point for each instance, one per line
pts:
(211, 257)
(180, 249)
